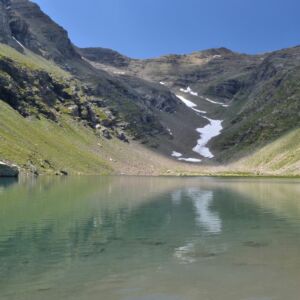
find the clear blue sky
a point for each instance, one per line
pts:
(149, 28)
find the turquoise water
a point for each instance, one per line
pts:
(129, 238)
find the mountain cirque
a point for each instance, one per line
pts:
(209, 112)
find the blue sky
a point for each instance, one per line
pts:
(150, 28)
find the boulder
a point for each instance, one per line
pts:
(121, 136)
(106, 134)
(8, 170)
(107, 123)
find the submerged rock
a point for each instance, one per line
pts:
(8, 170)
(254, 244)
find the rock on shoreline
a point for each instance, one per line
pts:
(8, 170)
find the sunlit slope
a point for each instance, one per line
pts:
(32, 61)
(281, 157)
(47, 145)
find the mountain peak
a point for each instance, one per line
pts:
(24, 23)
(106, 56)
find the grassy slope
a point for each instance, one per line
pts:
(74, 148)
(67, 146)
(32, 61)
(281, 157)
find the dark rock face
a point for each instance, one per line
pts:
(226, 89)
(29, 91)
(152, 95)
(5, 32)
(106, 56)
(23, 22)
(8, 170)
(6, 35)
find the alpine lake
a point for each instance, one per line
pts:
(150, 238)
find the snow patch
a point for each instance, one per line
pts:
(119, 72)
(213, 129)
(176, 154)
(199, 111)
(162, 83)
(215, 102)
(190, 104)
(188, 90)
(179, 157)
(187, 102)
(206, 134)
(191, 160)
(20, 44)
(170, 131)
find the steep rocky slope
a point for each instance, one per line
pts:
(27, 28)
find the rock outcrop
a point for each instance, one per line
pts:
(38, 32)
(106, 56)
(8, 170)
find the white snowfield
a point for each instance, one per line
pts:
(179, 157)
(192, 160)
(119, 72)
(162, 83)
(206, 134)
(214, 102)
(188, 90)
(190, 104)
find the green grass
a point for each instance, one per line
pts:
(67, 146)
(281, 157)
(32, 61)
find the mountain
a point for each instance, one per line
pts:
(259, 93)
(70, 110)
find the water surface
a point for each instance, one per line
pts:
(129, 238)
